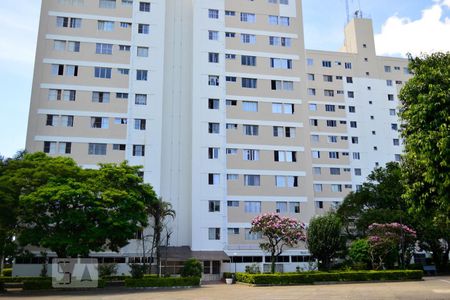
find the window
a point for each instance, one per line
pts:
(390, 97)
(250, 83)
(213, 153)
(331, 123)
(213, 13)
(51, 120)
(120, 147)
(328, 93)
(248, 18)
(327, 78)
(230, 34)
(100, 72)
(124, 48)
(139, 124)
(387, 69)
(100, 97)
(248, 38)
(286, 181)
(230, 13)
(355, 140)
(214, 128)
(73, 46)
(66, 121)
(351, 109)
(280, 41)
(143, 28)
(233, 203)
(281, 207)
(247, 60)
(330, 107)
(71, 70)
(284, 21)
(326, 63)
(250, 106)
(282, 85)
(99, 122)
(252, 236)
(315, 138)
(285, 156)
(318, 188)
(396, 142)
(213, 57)
(251, 130)
(97, 149)
(65, 148)
(213, 35)
(353, 124)
(230, 79)
(311, 77)
(232, 177)
(138, 150)
(280, 63)
(317, 170)
(213, 103)
(350, 94)
(310, 61)
(233, 230)
(125, 25)
(332, 139)
(105, 25)
(251, 180)
(335, 171)
(389, 82)
(213, 206)
(336, 188)
(142, 51)
(59, 45)
(315, 154)
(289, 132)
(311, 92)
(107, 3)
(127, 2)
(103, 48)
(250, 154)
(50, 147)
(144, 6)
(213, 179)
(358, 172)
(68, 22)
(253, 207)
(348, 65)
(392, 112)
(213, 80)
(333, 155)
(356, 155)
(140, 99)
(141, 75)
(231, 102)
(214, 234)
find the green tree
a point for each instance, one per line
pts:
(426, 170)
(277, 232)
(425, 115)
(359, 253)
(378, 201)
(324, 238)
(192, 268)
(160, 211)
(73, 211)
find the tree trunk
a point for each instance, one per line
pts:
(272, 259)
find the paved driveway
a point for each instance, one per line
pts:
(430, 288)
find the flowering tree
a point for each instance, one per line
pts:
(278, 232)
(384, 238)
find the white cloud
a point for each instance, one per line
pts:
(430, 33)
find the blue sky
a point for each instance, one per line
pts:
(400, 26)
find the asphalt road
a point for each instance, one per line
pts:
(430, 288)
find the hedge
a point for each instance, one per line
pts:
(312, 277)
(115, 277)
(162, 282)
(21, 278)
(37, 284)
(7, 272)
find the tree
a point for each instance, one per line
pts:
(359, 252)
(159, 210)
(324, 238)
(425, 115)
(73, 211)
(386, 238)
(192, 268)
(378, 201)
(278, 232)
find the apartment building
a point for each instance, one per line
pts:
(219, 101)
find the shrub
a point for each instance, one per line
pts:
(45, 284)
(227, 275)
(137, 270)
(162, 282)
(311, 277)
(116, 277)
(105, 270)
(7, 272)
(22, 278)
(192, 268)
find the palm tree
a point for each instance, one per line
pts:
(159, 210)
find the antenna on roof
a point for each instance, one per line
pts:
(347, 9)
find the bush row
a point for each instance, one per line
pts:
(37, 284)
(162, 282)
(312, 277)
(7, 272)
(21, 278)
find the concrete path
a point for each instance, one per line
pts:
(432, 288)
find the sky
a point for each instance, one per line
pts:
(400, 26)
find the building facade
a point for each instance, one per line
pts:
(219, 101)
